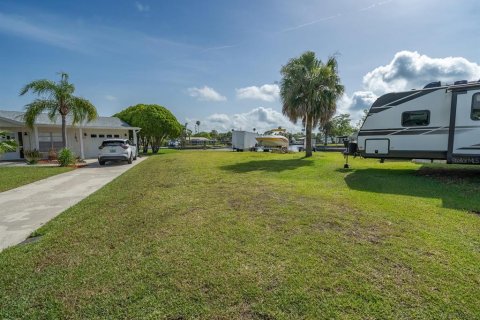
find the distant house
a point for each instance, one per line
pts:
(200, 141)
(83, 138)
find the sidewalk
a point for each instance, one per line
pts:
(25, 209)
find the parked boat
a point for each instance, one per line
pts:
(274, 140)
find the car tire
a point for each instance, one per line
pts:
(130, 160)
(102, 163)
(135, 157)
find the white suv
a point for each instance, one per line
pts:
(117, 150)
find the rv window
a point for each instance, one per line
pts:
(416, 118)
(475, 115)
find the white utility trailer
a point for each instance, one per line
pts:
(243, 140)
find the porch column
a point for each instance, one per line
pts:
(35, 135)
(82, 154)
(135, 137)
(135, 141)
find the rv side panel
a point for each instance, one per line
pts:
(415, 125)
(465, 136)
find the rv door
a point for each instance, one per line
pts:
(464, 136)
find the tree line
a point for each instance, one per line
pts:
(309, 90)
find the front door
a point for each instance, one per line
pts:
(20, 144)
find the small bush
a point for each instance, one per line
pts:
(32, 156)
(52, 154)
(66, 157)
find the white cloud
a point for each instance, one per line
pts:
(355, 104)
(359, 101)
(220, 47)
(110, 97)
(409, 70)
(307, 24)
(20, 26)
(142, 7)
(89, 38)
(218, 118)
(375, 5)
(262, 119)
(206, 94)
(336, 16)
(267, 92)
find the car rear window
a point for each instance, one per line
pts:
(115, 143)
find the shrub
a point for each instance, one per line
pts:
(52, 154)
(32, 156)
(66, 157)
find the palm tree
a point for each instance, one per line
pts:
(6, 145)
(310, 90)
(56, 98)
(197, 124)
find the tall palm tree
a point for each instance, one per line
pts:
(6, 145)
(197, 124)
(56, 98)
(310, 90)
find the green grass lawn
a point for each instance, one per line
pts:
(13, 177)
(222, 235)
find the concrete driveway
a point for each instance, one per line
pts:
(25, 209)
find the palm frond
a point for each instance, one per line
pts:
(36, 108)
(40, 87)
(81, 109)
(310, 88)
(53, 112)
(63, 76)
(58, 99)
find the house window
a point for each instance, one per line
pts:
(475, 114)
(416, 118)
(101, 136)
(50, 140)
(10, 137)
(116, 136)
(93, 136)
(109, 135)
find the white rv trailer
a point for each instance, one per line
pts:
(243, 140)
(436, 122)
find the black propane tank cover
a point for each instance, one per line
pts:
(433, 84)
(352, 148)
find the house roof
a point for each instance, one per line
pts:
(200, 139)
(43, 120)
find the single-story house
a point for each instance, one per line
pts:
(199, 141)
(82, 138)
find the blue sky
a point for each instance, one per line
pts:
(218, 61)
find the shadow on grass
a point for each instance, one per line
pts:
(159, 153)
(457, 188)
(268, 165)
